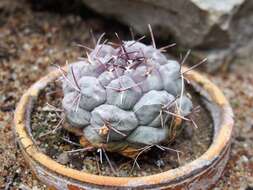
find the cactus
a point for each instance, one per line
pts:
(125, 97)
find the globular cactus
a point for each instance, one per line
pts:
(125, 97)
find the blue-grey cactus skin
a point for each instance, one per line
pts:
(125, 91)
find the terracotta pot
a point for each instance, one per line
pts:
(201, 173)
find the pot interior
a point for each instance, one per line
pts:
(64, 146)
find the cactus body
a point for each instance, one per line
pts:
(120, 95)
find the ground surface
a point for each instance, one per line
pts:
(30, 41)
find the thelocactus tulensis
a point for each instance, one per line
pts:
(125, 96)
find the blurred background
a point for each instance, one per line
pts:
(36, 33)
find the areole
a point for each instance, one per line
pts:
(201, 173)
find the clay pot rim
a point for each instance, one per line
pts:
(218, 146)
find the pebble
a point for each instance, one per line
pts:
(244, 159)
(63, 158)
(160, 163)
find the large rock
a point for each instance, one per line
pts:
(217, 29)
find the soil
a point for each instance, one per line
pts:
(30, 40)
(64, 147)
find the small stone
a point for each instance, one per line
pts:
(159, 163)
(244, 159)
(63, 158)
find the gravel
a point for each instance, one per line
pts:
(31, 41)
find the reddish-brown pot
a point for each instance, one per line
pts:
(201, 173)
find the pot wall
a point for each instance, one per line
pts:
(199, 174)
